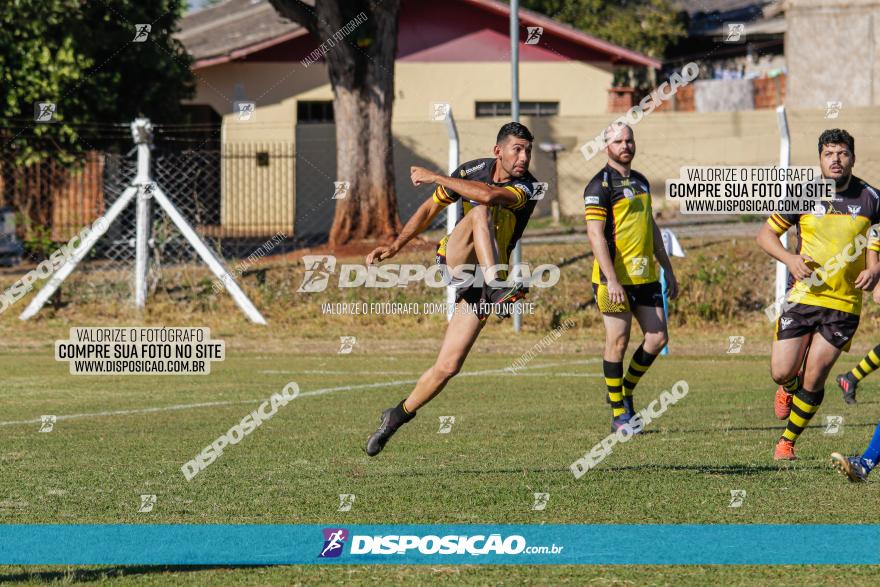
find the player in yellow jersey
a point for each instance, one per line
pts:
(836, 258)
(625, 242)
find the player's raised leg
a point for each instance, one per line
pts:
(485, 248)
(805, 403)
(461, 333)
(786, 362)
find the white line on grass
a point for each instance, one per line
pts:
(337, 372)
(553, 374)
(324, 391)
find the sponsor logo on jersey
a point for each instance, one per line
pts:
(470, 170)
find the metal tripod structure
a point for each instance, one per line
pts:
(146, 191)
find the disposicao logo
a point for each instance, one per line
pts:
(334, 542)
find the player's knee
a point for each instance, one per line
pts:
(655, 341)
(481, 214)
(448, 368)
(617, 345)
(480, 211)
(780, 375)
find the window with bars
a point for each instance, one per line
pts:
(487, 109)
(314, 111)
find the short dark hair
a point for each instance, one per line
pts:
(514, 129)
(837, 136)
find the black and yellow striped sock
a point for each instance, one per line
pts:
(867, 365)
(614, 380)
(638, 364)
(792, 385)
(803, 406)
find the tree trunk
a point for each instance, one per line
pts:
(361, 69)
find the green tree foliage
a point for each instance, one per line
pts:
(80, 55)
(647, 26)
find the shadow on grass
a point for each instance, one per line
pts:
(711, 469)
(696, 468)
(778, 427)
(80, 575)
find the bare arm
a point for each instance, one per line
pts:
(473, 190)
(596, 234)
(868, 278)
(770, 243)
(417, 223)
(873, 259)
(663, 259)
(660, 250)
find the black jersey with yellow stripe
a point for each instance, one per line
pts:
(831, 236)
(510, 220)
(624, 204)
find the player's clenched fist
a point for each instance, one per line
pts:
(420, 175)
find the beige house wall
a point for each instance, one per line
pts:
(580, 88)
(831, 50)
(666, 140)
(275, 87)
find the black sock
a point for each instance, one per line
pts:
(400, 415)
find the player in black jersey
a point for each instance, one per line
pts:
(498, 201)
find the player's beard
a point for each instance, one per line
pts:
(842, 180)
(617, 158)
(512, 173)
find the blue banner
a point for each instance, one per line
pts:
(647, 544)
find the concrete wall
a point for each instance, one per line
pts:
(666, 142)
(831, 49)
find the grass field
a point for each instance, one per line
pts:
(515, 434)
(119, 437)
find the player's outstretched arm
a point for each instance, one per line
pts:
(769, 241)
(417, 223)
(663, 259)
(596, 234)
(468, 188)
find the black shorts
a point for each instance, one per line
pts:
(476, 296)
(835, 326)
(642, 294)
